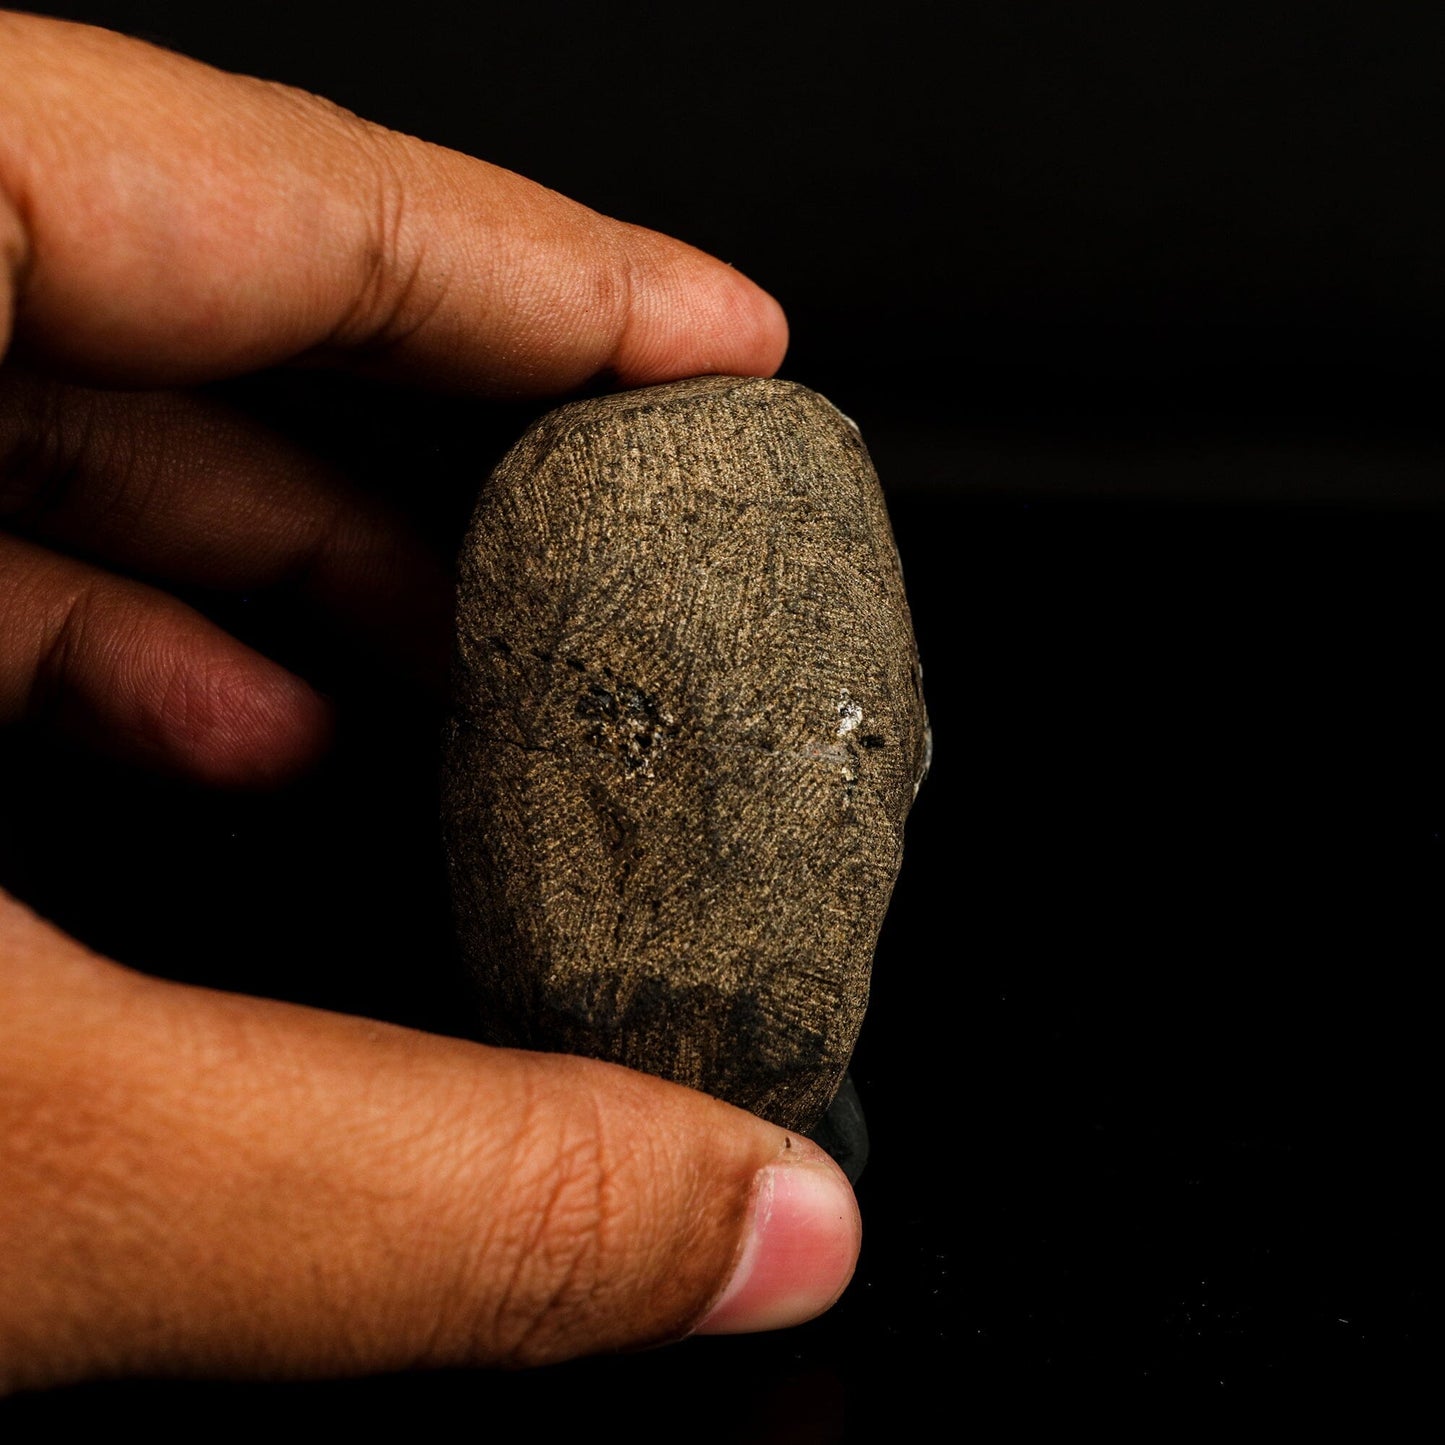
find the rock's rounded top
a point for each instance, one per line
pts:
(676, 396)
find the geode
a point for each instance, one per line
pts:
(687, 729)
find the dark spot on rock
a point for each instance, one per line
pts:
(635, 703)
(598, 701)
(576, 664)
(871, 741)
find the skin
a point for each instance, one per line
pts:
(195, 1182)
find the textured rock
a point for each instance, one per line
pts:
(688, 726)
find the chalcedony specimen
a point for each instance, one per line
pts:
(688, 725)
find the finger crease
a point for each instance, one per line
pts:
(385, 313)
(42, 462)
(57, 654)
(625, 291)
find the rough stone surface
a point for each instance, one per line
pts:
(688, 726)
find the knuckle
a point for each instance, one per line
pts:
(66, 641)
(69, 460)
(399, 283)
(38, 448)
(396, 283)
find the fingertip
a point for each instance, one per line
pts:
(754, 325)
(278, 729)
(242, 723)
(693, 315)
(799, 1250)
(774, 330)
(767, 324)
(144, 678)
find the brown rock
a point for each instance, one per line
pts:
(688, 728)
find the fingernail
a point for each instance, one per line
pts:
(800, 1250)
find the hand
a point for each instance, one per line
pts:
(198, 1182)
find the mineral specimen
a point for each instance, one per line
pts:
(688, 725)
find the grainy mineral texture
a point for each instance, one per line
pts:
(688, 727)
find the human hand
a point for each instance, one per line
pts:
(198, 1182)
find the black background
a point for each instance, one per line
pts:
(1137, 306)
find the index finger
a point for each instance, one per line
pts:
(164, 223)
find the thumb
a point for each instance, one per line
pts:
(199, 1183)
